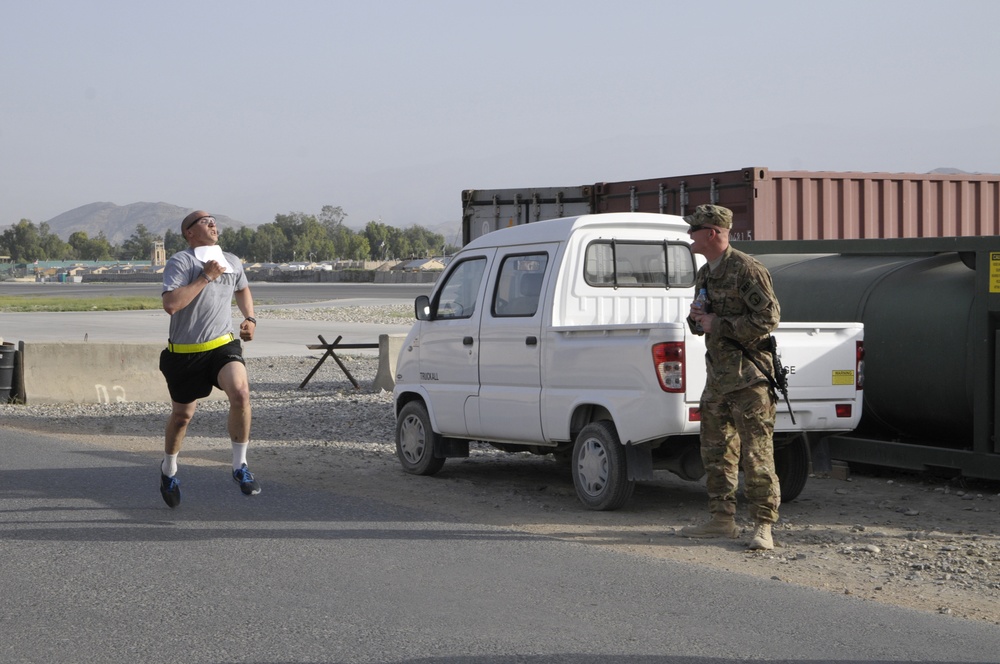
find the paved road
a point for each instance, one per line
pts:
(266, 293)
(274, 337)
(96, 568)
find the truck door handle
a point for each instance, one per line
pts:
(531, 341)
(466, 341)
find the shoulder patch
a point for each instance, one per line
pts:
(753, 296)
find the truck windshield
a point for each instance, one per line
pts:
(457, 297)
(619, 264)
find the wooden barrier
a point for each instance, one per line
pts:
(331, 352)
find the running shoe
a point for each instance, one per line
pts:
(244, 478)
(170, 489)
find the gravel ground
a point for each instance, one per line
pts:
(373, 315)
(914, 541)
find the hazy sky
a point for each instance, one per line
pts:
(390, 109)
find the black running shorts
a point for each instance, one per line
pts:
(191, 376)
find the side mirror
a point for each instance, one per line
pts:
(422, 307)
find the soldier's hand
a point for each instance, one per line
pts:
(213, 270)
(247, 329)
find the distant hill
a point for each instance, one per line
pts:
(120, 221)
(951, 171)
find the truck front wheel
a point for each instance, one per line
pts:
(600, 473)
(415, 440)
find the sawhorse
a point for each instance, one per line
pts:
(330, 348)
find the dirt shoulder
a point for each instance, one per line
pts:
(902, 540)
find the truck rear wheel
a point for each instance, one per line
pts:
(600, 472)
(415, 440)
(791, 463)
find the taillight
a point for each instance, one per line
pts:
(859, 370)
(668, 358)
(843, 410)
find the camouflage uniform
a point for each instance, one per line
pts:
(738, 402)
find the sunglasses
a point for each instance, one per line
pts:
(200, 220)
(695, 229)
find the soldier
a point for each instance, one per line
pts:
(738, 405)
(199, 286)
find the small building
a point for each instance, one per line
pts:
(421, 265)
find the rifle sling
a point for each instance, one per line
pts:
(767, 374)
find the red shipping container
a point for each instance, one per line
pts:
(807, 205)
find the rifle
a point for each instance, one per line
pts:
(779, 381)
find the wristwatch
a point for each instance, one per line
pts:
(251, 319)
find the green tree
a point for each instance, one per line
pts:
(238, 241)
(312, 241)
(291, 226)
(357, 248)
(269, 245)
(379, 240)
(399, 245)
(52, 245)
(173, 242)
(423, 243)
(23, 243)
(291, 223)
(332, 216)
(101, 248)
(344, 241)
(87, 249)
(78, 241)
(139, 246)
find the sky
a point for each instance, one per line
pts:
(390, 109)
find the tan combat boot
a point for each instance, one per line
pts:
(762, 538)
(721, 525)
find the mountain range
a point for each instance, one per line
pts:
(118, 222)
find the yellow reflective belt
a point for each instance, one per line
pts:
(200, 348)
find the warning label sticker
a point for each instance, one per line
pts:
(995, 271)
(843, 376)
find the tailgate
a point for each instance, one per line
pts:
(822, 359)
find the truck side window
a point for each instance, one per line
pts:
(519, 285)
(457, 298)
(613, 264)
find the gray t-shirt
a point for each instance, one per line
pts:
(210, 313)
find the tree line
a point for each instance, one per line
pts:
(290, 237)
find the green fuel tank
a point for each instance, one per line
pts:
(916, 310)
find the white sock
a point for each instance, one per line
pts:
(239, 455)
(169, 465)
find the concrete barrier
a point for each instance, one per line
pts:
(58, 372)
(105, 372)
(389, 346)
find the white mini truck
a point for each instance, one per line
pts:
(569, 337)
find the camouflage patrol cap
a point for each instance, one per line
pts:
(711, 215)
